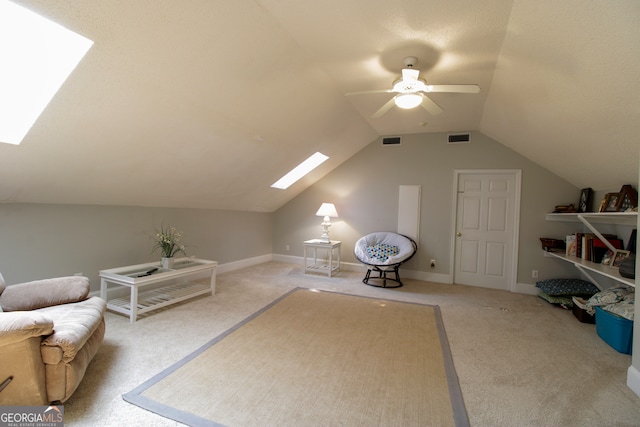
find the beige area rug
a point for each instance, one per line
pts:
(316, 358)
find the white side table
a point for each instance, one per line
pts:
(330, 264)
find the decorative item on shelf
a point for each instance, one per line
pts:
(167, 241)
(328, 211)
(628, 199)
(571, 245)
(607, 258)
(565, 209)
(609, 203)
(584, 205)
(618, 256)
(552, 245)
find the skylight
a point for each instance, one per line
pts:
(299, 171)
(37, 57)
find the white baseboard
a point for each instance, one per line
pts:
(425, 276)
(525, 288)
(237, 265)
(119, 292)
(633, 379)
(357, 267)
(353, 266)
(346, 266)
(287, 258)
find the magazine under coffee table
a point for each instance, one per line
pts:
(152, 287)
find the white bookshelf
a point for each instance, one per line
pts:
(622, 218)
(589, 219)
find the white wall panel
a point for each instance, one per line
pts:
(409, 211)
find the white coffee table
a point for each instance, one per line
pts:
(163, 287)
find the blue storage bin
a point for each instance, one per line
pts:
(615, 330)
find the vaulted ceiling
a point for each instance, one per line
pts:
(205, 103)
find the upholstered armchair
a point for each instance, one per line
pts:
(49, 332)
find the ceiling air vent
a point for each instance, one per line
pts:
(459, 138)
(391, 140)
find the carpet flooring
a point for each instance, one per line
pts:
(519, 360)
(316, 358)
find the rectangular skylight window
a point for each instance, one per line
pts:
(37, 57)
(299, 171)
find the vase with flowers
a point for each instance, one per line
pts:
(168, 242)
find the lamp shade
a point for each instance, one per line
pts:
(327, 209)
(408, 100)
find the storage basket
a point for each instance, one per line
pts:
(555, 245)
(579, 310)
(615, 330)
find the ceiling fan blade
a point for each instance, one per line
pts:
(409, 74)
(383, 110)
(430, 106)
(454, 88)
(364, 92)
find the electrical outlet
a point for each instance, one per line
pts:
(534, 274)
(286, 248)
(432, 263)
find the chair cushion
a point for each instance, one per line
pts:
(564, 301)
(73, 325)
(382, 251)
(384, 248)
(567, 287)
(44, 293)
(21, 325)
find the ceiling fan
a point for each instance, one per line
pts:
(411, 89)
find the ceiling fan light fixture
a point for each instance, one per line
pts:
(409, 85)
(411, 90)
(408, 100)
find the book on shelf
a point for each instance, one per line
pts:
(589, 247)
(596, 248)
(571, 245)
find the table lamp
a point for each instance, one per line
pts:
(327, 210)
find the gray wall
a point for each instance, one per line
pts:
(365, 192)
(51, 240)
(41, 241)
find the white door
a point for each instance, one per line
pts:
(487, 211)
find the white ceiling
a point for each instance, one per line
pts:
(206, 103)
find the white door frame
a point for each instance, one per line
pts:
(512, 270)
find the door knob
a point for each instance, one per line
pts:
(458, 234)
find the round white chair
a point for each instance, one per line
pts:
(384, 252)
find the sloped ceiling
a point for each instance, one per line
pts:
(204, 104)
